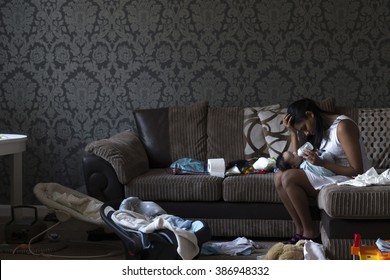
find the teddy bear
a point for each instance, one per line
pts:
(280, 251)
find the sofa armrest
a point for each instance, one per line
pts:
(124, 152)
(101, 181)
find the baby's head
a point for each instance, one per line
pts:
(288, 160)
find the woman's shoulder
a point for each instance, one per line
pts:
(346, 124)
(343, 119)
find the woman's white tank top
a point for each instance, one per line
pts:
(333, 145)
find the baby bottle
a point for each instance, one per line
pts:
(301, 150)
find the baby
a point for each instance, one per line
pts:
(290, 160)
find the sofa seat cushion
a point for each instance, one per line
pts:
(250, 188)
(355, 202)
(160, 184)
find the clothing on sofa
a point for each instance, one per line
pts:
(189, 166)
(371, 177)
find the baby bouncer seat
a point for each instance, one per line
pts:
(67, 202)
(148, 232)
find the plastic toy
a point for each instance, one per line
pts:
(367, 252)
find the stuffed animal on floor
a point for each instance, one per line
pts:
(281, 251)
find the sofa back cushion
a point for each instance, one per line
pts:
(225, 133)
(375, 132)
(172, 133)
(153, 129)
(351, 112)
(188, 131)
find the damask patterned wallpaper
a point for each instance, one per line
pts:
(72, 71)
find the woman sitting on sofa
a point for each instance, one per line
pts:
(327, 131)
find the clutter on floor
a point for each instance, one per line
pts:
(132, 222)
(239, 246)
(379, 251)
(302, 250)
(281, 251)
(150, 233)
(23, 229)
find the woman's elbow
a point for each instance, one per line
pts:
(356, 171)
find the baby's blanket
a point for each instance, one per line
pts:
(371, 177)
(186, 239)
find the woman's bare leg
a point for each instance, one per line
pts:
(278, 179)
(298, 189)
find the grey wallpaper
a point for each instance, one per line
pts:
(72, 71)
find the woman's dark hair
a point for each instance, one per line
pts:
(281, 164)
(298, 110)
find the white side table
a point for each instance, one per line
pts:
(14, 144)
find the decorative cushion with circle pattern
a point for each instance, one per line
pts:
(255, 144)
(276, 135)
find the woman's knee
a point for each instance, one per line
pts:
(289, 177)
(278, 180)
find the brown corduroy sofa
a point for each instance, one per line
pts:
(137, 164)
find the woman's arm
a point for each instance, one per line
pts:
(348, 135)
(293, 132)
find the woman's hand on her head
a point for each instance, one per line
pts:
(287, 123)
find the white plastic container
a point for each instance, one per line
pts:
(301, 150)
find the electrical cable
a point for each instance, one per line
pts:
(111, 253)
(36, 236)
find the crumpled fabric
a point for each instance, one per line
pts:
(84, 205)
(187, 241)
(313, 251)
(370, 177)
(239, 246)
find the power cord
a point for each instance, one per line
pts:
(63, 216)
